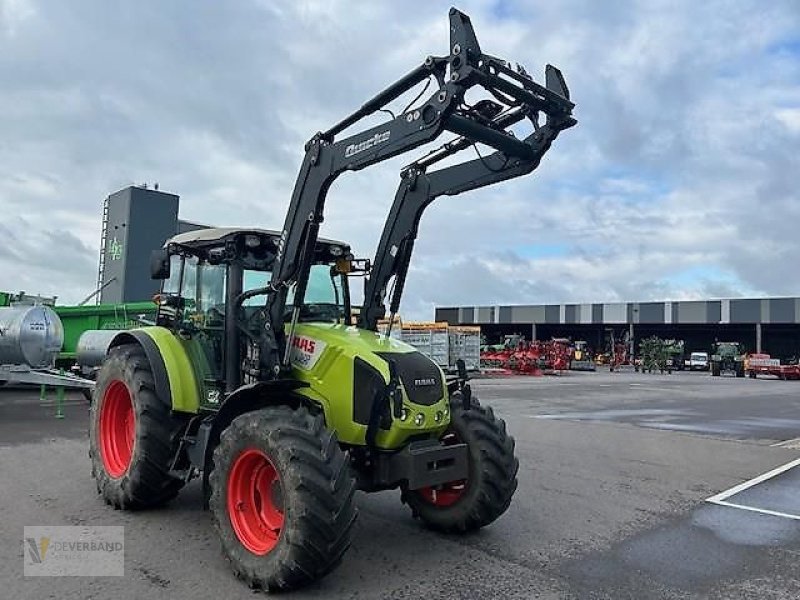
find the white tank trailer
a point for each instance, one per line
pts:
(30, 335)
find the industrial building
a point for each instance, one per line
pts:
(770, 325)
(136, 221)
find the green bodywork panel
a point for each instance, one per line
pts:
(327, 366)
(186, 367)
(330, 375)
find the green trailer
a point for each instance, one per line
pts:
(74, 321)
(79, 319)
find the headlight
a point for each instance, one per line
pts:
(404, 414)
(419, 419)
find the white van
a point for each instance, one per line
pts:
(698, 361)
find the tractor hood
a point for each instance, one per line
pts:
(357, 341)
(346, 367)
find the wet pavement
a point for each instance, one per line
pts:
(615, 474)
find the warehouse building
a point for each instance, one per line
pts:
(769, 325)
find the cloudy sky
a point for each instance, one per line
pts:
(680, 181)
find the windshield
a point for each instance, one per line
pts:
(324, 299)
(699, 356)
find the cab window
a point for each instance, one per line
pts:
(173, 283)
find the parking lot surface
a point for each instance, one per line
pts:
(616, 470)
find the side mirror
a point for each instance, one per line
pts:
(159, 264)
(348, 265)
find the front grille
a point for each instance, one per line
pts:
(421, 378)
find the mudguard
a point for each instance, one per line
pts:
(175, 378)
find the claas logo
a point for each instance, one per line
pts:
(304, 344)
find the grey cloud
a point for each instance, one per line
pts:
(679, 160)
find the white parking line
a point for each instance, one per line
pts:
(763, 511)
(793, 444)
(755, 481)
(720, 498)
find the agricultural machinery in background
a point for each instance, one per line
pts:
(582, 357)
(620, 351)
(657, 354)
(727, 357)
(43, 343)
(756, 364)
(517, 355)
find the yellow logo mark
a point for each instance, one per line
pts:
(38, 551)
(44, 543)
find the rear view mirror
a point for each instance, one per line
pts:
(159, 264)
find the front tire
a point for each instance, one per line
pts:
(281, 498)
(133, 436)
(463, 506)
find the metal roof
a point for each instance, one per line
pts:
(699, 312)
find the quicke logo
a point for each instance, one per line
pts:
(368, 143)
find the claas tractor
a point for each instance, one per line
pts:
(260, 376)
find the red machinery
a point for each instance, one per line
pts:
(763, 364)
(557, 354)
(518, 356)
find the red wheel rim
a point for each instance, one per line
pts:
(255, 501)
(117, 429)
(449, 493)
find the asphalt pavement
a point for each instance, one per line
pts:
(615, 473)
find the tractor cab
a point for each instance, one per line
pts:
(214, 287)
(201, 269)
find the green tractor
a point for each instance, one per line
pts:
(727, 357)
(262, 378)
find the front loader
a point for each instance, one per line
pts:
(262, 379)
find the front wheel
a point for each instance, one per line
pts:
(486, 494)
(281, 498)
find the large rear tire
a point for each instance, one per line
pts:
(281, 498)
(486, 494)
(133, 436)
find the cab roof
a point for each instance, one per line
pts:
(213, 236)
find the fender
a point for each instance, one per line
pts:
(247, 398)
(174, 377)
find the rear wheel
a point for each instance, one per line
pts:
(486, 494)
(132, 434)
(281, 498)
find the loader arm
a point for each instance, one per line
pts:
(418, 189)
(444, 110)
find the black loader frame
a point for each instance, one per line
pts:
(487, 122)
